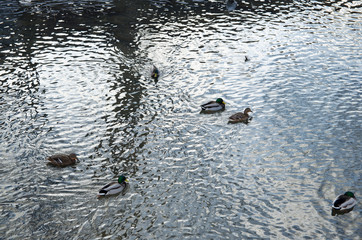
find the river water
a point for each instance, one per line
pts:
(75, 77)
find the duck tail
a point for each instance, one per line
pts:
(334, 212)
(99, 195)
(102, 193)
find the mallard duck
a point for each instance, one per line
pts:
(240, 117)
(344, 203)
(62, 160)
(155, 74)
(114, 187)
(213, 106)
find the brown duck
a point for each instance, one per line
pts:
(240, 117)
(62, 160)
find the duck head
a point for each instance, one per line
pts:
(122, 179)
(350, 194)
(220, 100)
(73, 157)
(247, 110)
(155, 73)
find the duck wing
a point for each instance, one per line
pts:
(344, 202)
(210, 104)
(348, 204)
(111, 188)
(238, 116)
(60, 160)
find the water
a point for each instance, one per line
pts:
(75, 77)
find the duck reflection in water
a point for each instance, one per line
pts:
(343, 203)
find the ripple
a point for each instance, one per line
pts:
(76, 78)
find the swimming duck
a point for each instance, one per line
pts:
(240, 117)
(114, 187)
(155, 74)
(344, 203)
(62, 160)
(213, 106)
(231, 5)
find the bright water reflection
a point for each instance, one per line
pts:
(75, 78)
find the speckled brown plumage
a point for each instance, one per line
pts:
(62, 160)
(240, 117)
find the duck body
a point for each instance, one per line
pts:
(343, 203)
(62, 160)
(213, 106)
(114, 187)
(240, 117)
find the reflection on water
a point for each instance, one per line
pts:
(76, 77)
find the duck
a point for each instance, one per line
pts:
(114, 187)
(213, 106)
(231, 5)
(343, 203)
(62, 160)
(155, 74)
(240, 117)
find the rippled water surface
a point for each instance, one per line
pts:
(75, 77)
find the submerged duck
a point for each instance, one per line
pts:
(240, 117)
(213, 106)
(155, 74)
(114, 187)
(344, 203)
(62, 160)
